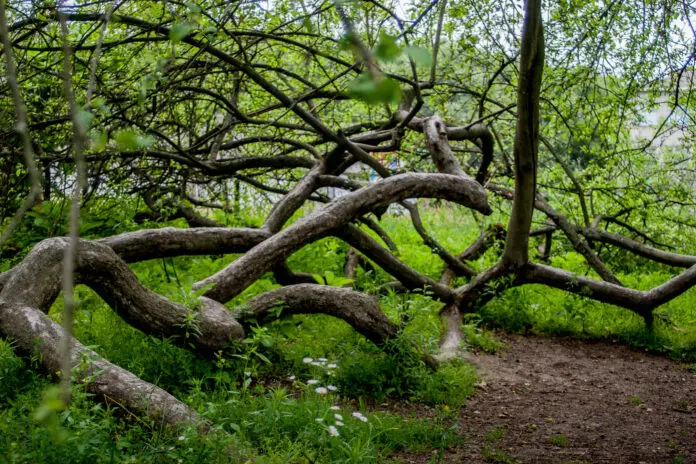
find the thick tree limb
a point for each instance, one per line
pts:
(406, 275)
(435, 131)
(360, 311)
(36, 282)
(664, 257)
(285, 208)
(526, 143)
(169, 241)
(36, 333)
(641, 302)
(239, 275)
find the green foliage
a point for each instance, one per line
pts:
(331, 279)
(401, 373)
(559, 440)
(374, 90)
(387, 49)
(181, 30)
(478, 337)
(262, 414)
(421, 56)
(130, 140)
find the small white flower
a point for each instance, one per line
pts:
(322, 360)
(319, 419)
(307, 360)
(335, 408)
(338, 417)
(332, 387)
(321, 390)
(292, 377)
(333, 431)
(315, 364)
(359, 416)
(332, 366)
(181, 437)
(339, 424)
(312, 382)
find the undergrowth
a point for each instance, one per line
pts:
(305, 388)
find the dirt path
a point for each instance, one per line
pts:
(566, 401)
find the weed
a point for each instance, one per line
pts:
(478, 338)
(559, 440)
(496, 433)
(258, 394)
(497, 456)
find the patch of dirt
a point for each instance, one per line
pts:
(546, 400)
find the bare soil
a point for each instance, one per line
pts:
(546, 400)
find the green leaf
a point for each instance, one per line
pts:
(389, 90)
(374, 91)
(99, 139)
(84, 118)
(179, 31)
(307, 24)
(128, 140)
(387, 49)
(146, 141)
(345, 43)
(192, 7)
(420, 55)
(261, 356)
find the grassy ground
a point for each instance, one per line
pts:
(303, 389)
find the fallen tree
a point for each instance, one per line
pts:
(175, 166)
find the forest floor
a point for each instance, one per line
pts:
(556, 400)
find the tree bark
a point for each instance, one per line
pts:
(239, 275)
(526, 143)
(360, 311)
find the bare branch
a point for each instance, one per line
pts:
(21, 128)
